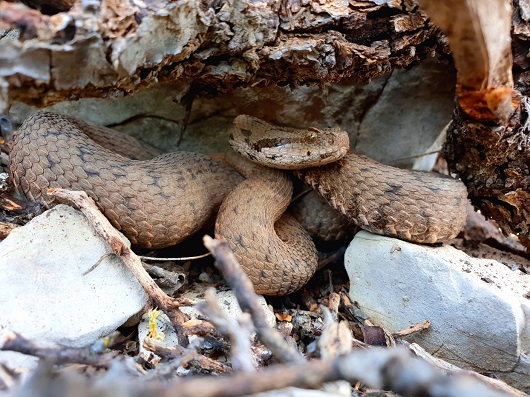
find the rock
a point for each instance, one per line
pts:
(156, 325)
(477, 307)
(404, 122)
(407, 108)
(226, 300)
(44, 294)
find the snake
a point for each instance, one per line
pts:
(160, 200)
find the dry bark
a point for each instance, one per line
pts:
(111, 47)
(487, 143)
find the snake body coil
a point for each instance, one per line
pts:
(155, 203)
(161, 201)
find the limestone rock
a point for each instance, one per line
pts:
(408, 109)
(477, 307)
(44, 294)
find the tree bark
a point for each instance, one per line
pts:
(101, 48)
(487, 143)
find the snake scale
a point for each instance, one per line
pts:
(161, 201)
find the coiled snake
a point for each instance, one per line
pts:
(161, 201)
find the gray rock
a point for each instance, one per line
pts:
(413, 109)
(391, 119)
(477, 308)
(44, 294)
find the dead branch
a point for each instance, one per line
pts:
(419, 327)
(182, 356)
(57, 354)
(237, 331)
(103, 227)
(392, 369)
(239, 282)
(133, 45)
(487, 142)
(336, 339)
(454, 370)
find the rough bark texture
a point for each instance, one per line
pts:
(101, 48)
(494, 163)
(493, 158)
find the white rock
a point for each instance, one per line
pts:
(44, 294)
(475, 324)
(226, 300)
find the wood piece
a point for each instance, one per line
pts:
(393, 369)
(479, 37)
(182, 357)
(57, 354)
(487, 142)
(132, 45)
(456, 371)
(237, 331)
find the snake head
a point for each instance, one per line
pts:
(286, 147)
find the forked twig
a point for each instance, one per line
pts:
(104, 228)
(239, 282)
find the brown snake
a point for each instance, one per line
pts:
(163, 200)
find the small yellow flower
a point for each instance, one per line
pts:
(153, 315)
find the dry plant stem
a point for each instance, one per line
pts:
(248, 300)
(412, 329)
(336, 338)
(394, 369)
(183, 258)
(237, 331)
(57, 354)
(185, 356)
(103, 227)
(479, 36)
(8, 377)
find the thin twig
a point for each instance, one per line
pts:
(453, 370)
(300, 195)
(392, 369)
(103, 257)
(104, 228)
(237, 331)
(55, 353)
(182, 258)
(412, 329)
(239, 282)
(183, 356)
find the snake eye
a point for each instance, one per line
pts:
(311, 136)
